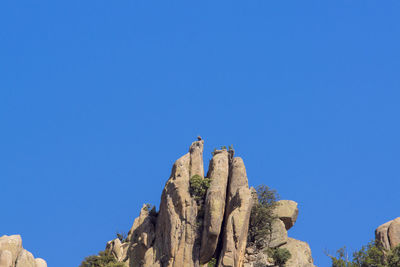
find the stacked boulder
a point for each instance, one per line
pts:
(12, 254)
(286, 212)
(388, 234)
(192, 232)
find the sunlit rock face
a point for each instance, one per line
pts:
(190, 231)
(12, 254)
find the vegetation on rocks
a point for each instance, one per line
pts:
(262, 216)
(280, 256)
(212, 262)
(199, 186)
(371, 255)
(104, 259)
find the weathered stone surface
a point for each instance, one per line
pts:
(287, 211)
(6, 258)
(196, 158)
(381, 235)
(11, 243)
(388, 234)
(278, 234)
(177, 241)
(238, 209)
(301, 253)
(214, 204)
(115, 248)
(143, 228)
(394, 233)
(189, 232)
(40, 262)
(25, 259)
(141, 237)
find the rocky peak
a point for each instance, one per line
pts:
(12, 254)
(192, 230)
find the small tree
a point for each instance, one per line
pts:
(262, 216)
(371, 255)
(199, 186)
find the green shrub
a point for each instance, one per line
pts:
(104, 259)
(281, 256)
(262, 216)
(212, 262)
(199, 186)
(393, 258)
(371, 255)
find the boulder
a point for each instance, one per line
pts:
(278, 234)
(25, 259)
(287, 211)
(381, 235)
(237, 215)
(214, 204)
(40, 262)
(388, 234)
(11, 243)
(394, 233)
(300, 253)
(6, 258)
(116, 249)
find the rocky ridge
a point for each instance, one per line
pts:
(209, 231)
(12, 254)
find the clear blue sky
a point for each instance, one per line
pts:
(98, 99)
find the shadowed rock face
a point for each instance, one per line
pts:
(189, 232)
(12, 254)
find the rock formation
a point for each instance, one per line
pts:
(12, 254)
(192, 231)
(286, 212)
(388, 234)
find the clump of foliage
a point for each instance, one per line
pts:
(371, 255)
(230, 148)
(393, 257)
(262, 217)
(199, 186)
(103, 259)
(212, 262)
(122, 236)
(281, 256)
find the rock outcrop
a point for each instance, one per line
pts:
(12, 254)
(192, 230)
(214, 204)
(388, 234)
(237, 215)
(287, 211)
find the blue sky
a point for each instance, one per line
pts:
(98, 99)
